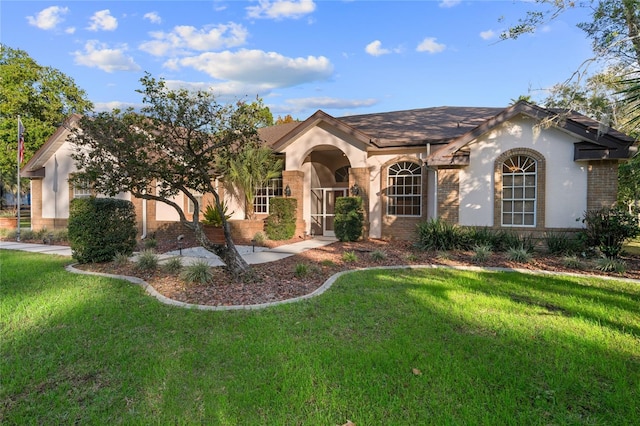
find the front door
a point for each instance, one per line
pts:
(323, 202)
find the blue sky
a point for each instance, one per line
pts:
(344, 57)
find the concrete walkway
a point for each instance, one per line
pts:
(194, 254)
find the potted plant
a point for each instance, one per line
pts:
(212, 222)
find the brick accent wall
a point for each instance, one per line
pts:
(400, 227)
(295, 180)
(449, 195)
(540, 195)
(602, 184)
(360, 176)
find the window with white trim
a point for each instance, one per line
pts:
(191, 206)
(404, 189)
(266, 193)
(82, 189)
(519, 191)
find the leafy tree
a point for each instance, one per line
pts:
(171, 147)
(614, 28)
(286, 119)
(42, 96)
(250, 170)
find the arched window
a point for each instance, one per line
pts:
(404, 189)
(519, 191)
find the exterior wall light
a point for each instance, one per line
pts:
(287, 191)
(355, 190)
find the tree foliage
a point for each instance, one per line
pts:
(42, 96)
(170, 147)
(250, 170)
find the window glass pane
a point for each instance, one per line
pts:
(518, 206)
(506, 219)
(517, 219)
(529, 206)
(517, 193)
(507, 180)
(530, 193)
(530, 180)
(507, 206)
(518, 180)
(528, 219)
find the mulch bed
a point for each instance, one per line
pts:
(278, 280)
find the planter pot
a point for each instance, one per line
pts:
(8, 222)
(215, 234)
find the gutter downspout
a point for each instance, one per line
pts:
(144, 219)
(435, 184)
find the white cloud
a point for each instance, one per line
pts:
(102, 20)
(153, 17)
(375, 49)
(187, 38)
(109, 106)
(449, 3)
(98, 55)
(327, 102)
(70, 30)
(267, 69)
(281, 9)
(488, 35)
(430, 45)
(49, 18)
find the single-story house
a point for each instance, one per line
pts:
(523, 167)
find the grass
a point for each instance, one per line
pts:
(633, 247)
(430, 346)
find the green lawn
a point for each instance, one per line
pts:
(395, 347)
(633, 247)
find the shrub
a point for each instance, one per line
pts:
(572, 261)
(198, 272)
(608, 229)
(150, 243)
(519, 254)
(301, 269)
(437, 234)
(173, 265)
(327, 262)
(212, 215)
(121, 259)
(378, 255)
(99, 228)
(350, 256)
(147, 260)
(281, 222)
(259, 238)
(349, 218)
(481, 252)
(560, 243)
(606, 264)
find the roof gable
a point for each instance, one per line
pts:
(595, 143)
(34, 166)
(314, 120)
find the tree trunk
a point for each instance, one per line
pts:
(228, 252)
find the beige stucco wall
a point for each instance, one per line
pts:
(566, 180)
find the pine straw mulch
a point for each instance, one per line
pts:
(278, 280)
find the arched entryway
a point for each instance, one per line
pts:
(328, 178)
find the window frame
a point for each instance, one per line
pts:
(404, 183)
(263, 195)
(522, 178)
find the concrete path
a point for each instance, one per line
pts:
(194, 254)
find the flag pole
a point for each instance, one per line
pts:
(18, 158)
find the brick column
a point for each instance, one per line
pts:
(449, 195)
(295, 180)
(361, 176)
(602, 184)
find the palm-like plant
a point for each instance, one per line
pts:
(250, 169)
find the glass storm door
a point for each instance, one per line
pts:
(323, 202)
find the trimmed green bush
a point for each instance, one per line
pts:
(608, 229)
(281, 222)
(349, 218)
(100, 228)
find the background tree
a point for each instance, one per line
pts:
(249, 171)
(171, 147)
(42, 96)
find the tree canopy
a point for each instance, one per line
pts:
(171, 146)
(42, 96)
